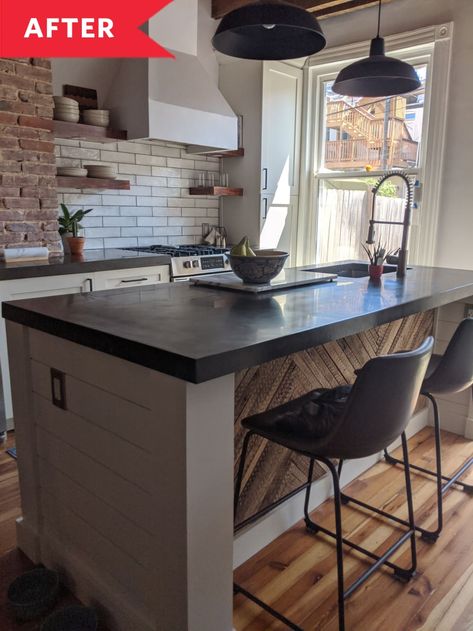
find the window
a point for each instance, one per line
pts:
(365, 135)
(351, 142)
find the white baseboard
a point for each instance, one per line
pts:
(255, 537)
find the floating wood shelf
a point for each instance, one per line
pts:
(64, 181)
(216, 190)
(80, 131)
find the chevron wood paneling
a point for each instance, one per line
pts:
(273, 472)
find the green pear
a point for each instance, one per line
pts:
(240, 248)
(249, 251)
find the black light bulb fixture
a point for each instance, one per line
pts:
(377, 75)
(269, 30)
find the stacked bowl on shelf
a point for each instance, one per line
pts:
(100, 118)
(102, 171)
(72, 171)
(66, 109)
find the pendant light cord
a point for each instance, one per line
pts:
(379, 17)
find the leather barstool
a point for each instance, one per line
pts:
(343, 424)
(446, 374)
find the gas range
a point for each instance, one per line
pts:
(190, 260)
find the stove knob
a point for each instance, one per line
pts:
(195, 263)
(187, 264)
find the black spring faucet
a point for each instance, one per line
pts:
(406, 222)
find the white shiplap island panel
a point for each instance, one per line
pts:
(94, 503)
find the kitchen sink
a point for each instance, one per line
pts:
(350, 270)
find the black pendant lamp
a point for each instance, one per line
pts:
(269, 30)
(377, 75)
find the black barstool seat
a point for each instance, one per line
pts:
(304, 423)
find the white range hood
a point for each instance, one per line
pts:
(178, 99)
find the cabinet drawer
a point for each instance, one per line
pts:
(119, 279)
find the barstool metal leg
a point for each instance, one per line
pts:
(410, 508)
(339, 539)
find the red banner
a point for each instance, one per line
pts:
(86, 28)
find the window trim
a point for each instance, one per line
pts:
(432, 44)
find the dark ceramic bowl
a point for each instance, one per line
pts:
(75, 618)
(259, 269)
(32, 594)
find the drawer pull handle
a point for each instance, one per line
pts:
(134, 280)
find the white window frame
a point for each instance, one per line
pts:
(431, 45)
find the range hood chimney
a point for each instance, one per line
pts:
(178, 99)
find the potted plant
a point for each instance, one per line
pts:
(69, 227)
(376, 255)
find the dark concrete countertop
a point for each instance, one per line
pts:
(90, 261)
(196, 333)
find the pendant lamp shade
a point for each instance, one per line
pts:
(377, 75)
(269, 30)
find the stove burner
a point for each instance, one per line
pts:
(180, 250)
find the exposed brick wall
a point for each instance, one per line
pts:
(28, 197)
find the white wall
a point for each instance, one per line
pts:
(454, 247)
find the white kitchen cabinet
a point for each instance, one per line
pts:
(67, 284)
(269, 97)
(120, 279)
(281, 129)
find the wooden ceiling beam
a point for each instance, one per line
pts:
(320, 8)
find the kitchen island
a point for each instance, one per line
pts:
(125, 404)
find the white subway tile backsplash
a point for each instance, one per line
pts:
(102, 232)
(179, 163)
(166, 172)
(171, 152)
(181, 221)
(137, 232)
(117, 156)
(121, 242)
(170, 231)
(119, 221)
(175, 202)
(95, 244)
(164, 211)
(152, 221)
(157, 209)
(134, 169)
(80, 152)
(192, 231)
(156, 161)
(133, 146)
(145, 241)
(118, 200)
(110, 146)
(193, 212)
(135, 211)
(150, 180)
(165, 191)
(92, 222)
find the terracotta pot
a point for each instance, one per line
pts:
(376, 271)
(76, 244)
